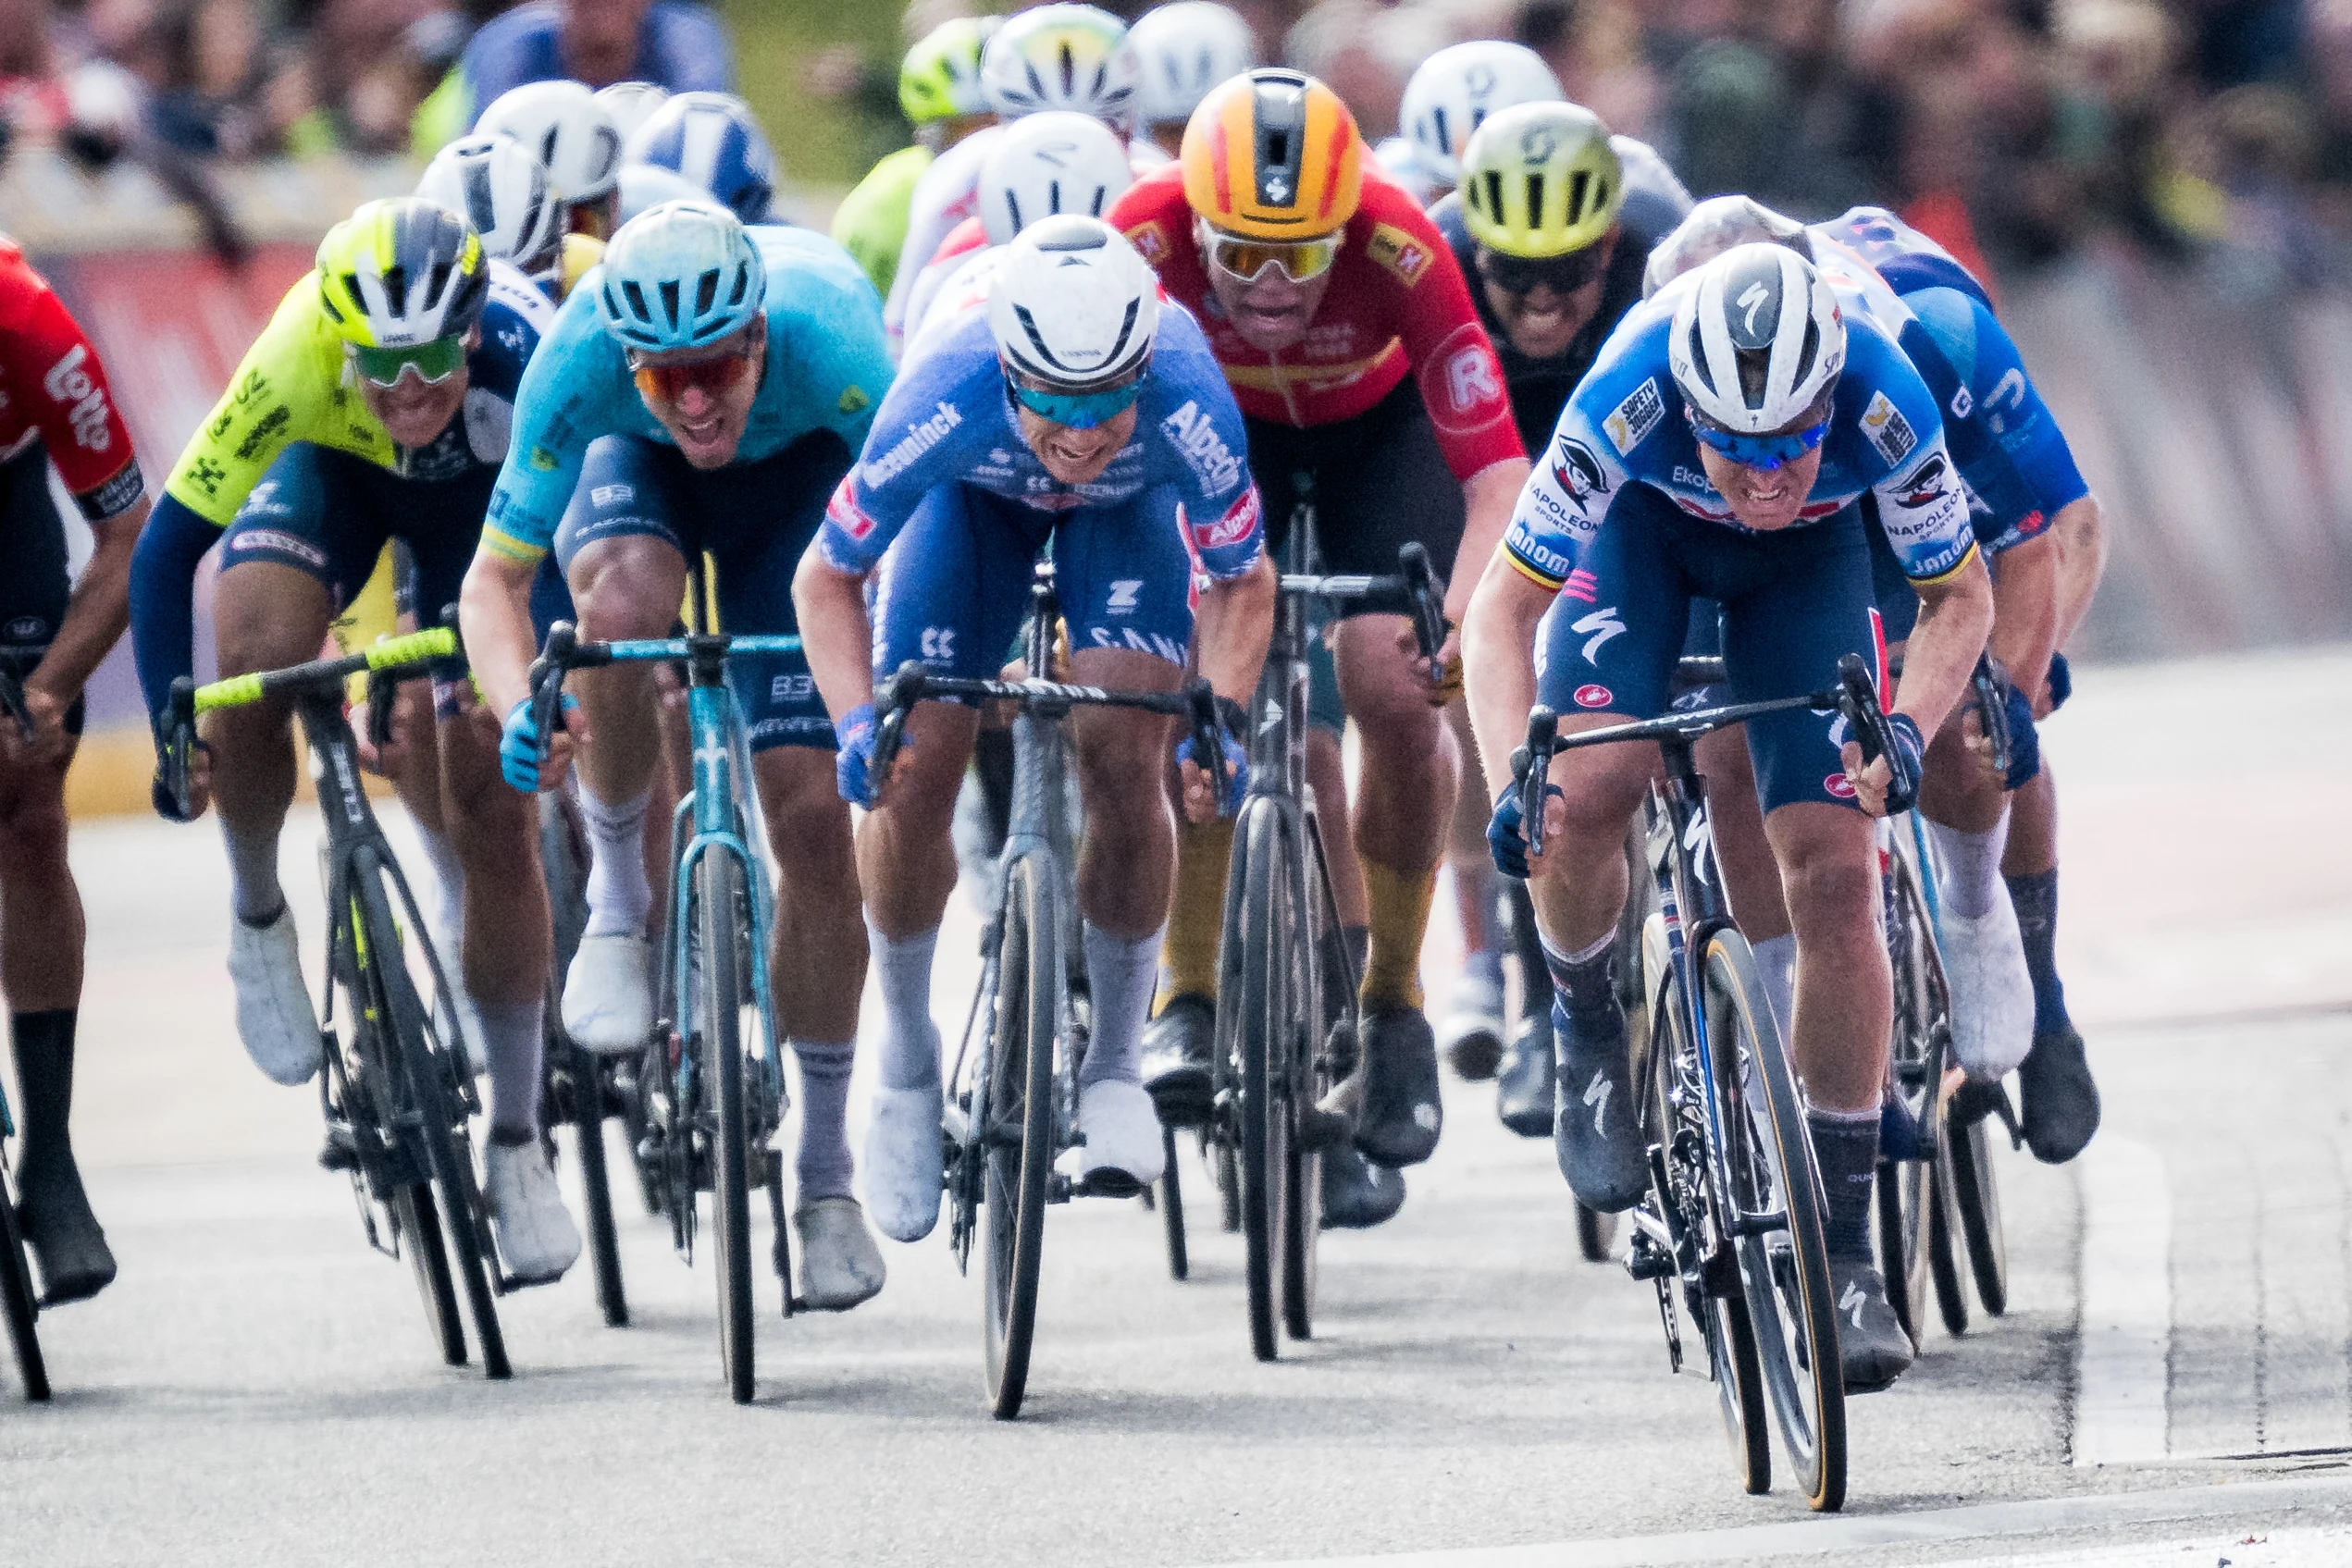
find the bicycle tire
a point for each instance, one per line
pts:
(718, 889)
(1769, 1157)
(1976, 1200)
(1943, 1258)
(1226, 1171)
(1906, 1189)
(1019, 1156)
(1595, 1233)
(17, 1299)
(420, 1231)
(1263, 993)
(1171, 1209)
(596, 1177)
(432, 1093)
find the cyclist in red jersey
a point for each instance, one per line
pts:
(1348, 334)
(54, 407)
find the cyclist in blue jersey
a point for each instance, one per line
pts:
(1068, 406)
(1719, 448)
(700, 393)
(673, 44)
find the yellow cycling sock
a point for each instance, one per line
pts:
(1204, 851)
(1400, 903)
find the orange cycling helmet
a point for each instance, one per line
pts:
(1273, 155)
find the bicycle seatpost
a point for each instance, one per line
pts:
(1533, 771)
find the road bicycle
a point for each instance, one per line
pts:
(397, 1099)
(19, 1303)
(1730, 1232)
(1012, 1102)
(710, 1077)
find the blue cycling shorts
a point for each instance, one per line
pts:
(954, 585)
(755, 520)
(1792, 602)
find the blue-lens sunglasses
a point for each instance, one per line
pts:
(1765, 453)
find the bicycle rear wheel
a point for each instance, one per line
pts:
(1977, 1202)
(17, 1299)
(1784, 1270)
(1019, 1140)
(718, 888)
(419, 1229)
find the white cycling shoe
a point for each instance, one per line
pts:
(905, 1166)
(274, 1016)
(536, 1237)
(1123, 1140)
(1992, 991)
(608, 994)
(840, 1265)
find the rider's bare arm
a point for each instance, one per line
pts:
(1232, 626)
(2081, 531)
(835, 631)
(95, 619)
(1498, 643)
(1955, 620)
(1488, 496)
(2025, 610)
(494, 616)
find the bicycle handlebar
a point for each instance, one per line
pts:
(566, 650)
(1413, 581)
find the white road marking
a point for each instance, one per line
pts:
(2126, 1334)
(1808, 1537)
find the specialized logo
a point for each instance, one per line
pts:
(1577, 471)
(1926, 485)
(1122, 596)
(1398, 251)
(1241, 520)
(1596, 1098)
(920, 438)
(1594, 697)
(1884, 427)
(1850, 1304)
(1698, 842)
(86, 402)
(1597, 629)
(1472, 377)
(1636, 417)
(1150, 242)
(1752, 300)
(1194, 435)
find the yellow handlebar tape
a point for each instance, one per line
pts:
(234, 692)
(436, 642)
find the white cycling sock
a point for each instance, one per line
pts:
(449, 910)
(619, 895)
(824, 1165)
(254, 895)
(510, 1043)
(1972, 866)
(909, 1039)
(1776, 966)
(1119, 974)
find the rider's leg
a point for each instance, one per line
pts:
(2060, 1097)
(1471, 1032)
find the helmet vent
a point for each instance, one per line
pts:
(1578, 184)
(1535, 201)
(706, 292)
(1494, 183)
(396, 290)
(742, 285)
(668, 288)
(636, 293)
(435, 285)
(1699, 367)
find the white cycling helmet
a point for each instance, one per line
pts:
(1073, 307)
(502, 190)
(1456, 88)
(631, 104)
(649, 185)
(1047, 164)
(1757, 340)
(563, 125)
(1062, 56)
(682, 275)
(1185, 48)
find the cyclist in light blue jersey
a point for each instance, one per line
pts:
(700, 394)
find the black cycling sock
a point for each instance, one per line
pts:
(2035, 898)
(44, 1078)
(1585, 984)
(1847, 1152)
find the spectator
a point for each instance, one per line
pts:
(213, 98)
(672, 44)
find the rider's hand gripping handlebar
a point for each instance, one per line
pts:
(1858, 699)
(547, 684)
(1425, 598)
(1531, 774)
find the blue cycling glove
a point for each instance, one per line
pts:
(518, 745)
(1506, 836)
(2024, 743)
(1236, 759)
(853, 761)
(2062, 682)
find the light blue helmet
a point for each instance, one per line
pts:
(681, 275)
(712, 140)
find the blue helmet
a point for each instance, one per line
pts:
(681, 275)
(712, 140)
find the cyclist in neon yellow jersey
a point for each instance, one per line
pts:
(940, 90)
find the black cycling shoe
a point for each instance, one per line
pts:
(1872, 1346)
(1595, 1133)
(1402, 1112)
(1899, 1135)
(2062, 1101)
(68, 1246)
(1973, 1100)
(1527, 1084)
(1358, 1194)
(1177, 1045)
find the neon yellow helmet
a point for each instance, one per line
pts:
(399, 272)
(940, 77)
(1540, 181)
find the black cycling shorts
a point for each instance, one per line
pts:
(35, 588)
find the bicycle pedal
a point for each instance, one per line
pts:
(1644, 1259)
(341, 1151)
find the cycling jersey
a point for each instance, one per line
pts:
(871, 222)
(1625, 428)
(966, 240)
(1901, 254)
(53, 390)
(826, 368)
(1397, 305)
(680, 46)
(296, 385)
(1654, 203)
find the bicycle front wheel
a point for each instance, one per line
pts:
(1783, 1264)
(1908, 1190)
(1264, 996)
(1019, 1139)
(718, 889)
(1977, 1202)
(18, 1301)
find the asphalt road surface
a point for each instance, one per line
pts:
(2171, 1383)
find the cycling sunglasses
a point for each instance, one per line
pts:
(433, 362)
(1524, 275)
(1764, 452)
(1080, 411)
(713, 376)
(1302, 261)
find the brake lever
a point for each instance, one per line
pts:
(1208, 743)
(1429, 603)
(1992, 709)
(178, 743)
(899, 696)
(547, 684)
(382, 692)
(1858, 699)
(1531, 770)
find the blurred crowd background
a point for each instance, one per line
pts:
(2213, 134)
